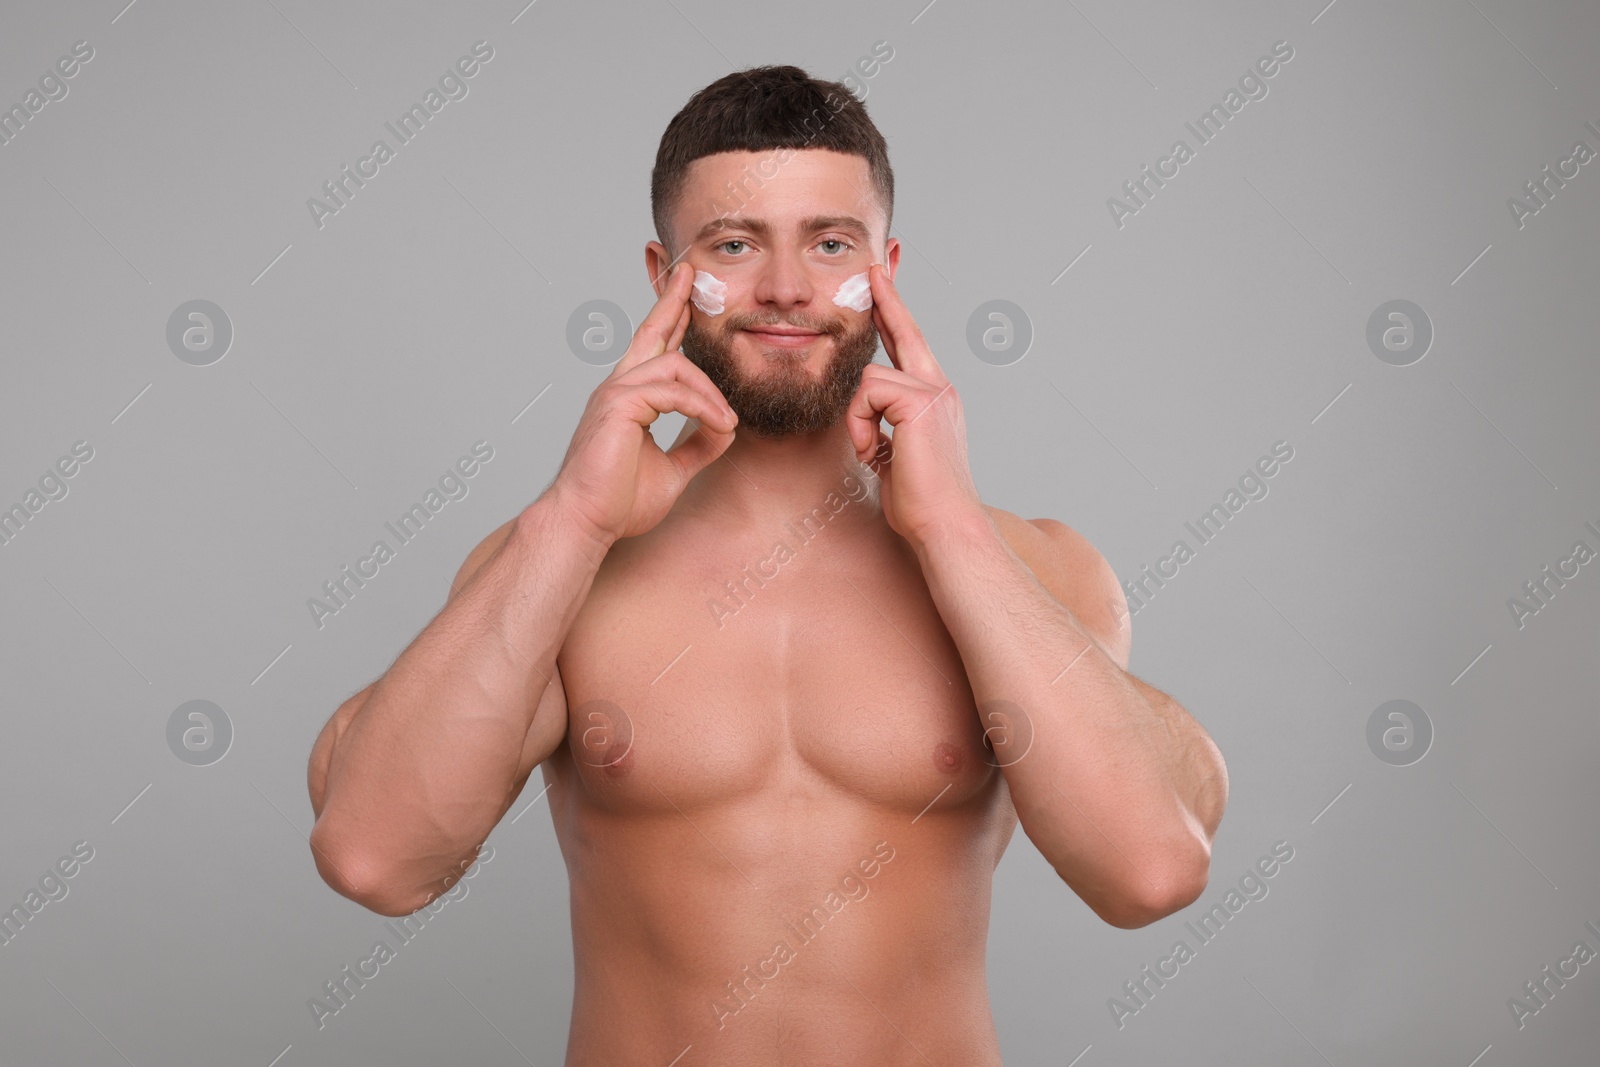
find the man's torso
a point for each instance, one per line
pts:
(778, 813)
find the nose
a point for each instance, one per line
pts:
(783, 283)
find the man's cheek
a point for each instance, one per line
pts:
(710, 293)
(854, 293)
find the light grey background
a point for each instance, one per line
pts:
(1229, 313)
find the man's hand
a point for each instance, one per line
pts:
(614, 478)
(927, 484)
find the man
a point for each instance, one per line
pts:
(791, 688)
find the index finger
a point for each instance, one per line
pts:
(902, 338)
(654, 334)
(679, 330)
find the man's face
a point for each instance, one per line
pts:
(782, 230)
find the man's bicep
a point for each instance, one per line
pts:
(1080, 577)
(545, 734)
(549, 725)
(339, 722)
(322, 750)
(1074, 572)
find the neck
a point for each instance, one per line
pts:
(761, 480)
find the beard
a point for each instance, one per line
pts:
(786, 398)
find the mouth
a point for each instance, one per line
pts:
(784, 336)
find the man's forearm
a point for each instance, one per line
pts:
(1112, 780)
(426, 766)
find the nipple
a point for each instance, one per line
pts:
(947, 758)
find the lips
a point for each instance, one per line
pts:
(783, 331)
(785, 336)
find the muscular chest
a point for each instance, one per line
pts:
(698, 678)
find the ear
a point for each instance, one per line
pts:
(656, 263)
(891, 256)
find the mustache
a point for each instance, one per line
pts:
(830, 326)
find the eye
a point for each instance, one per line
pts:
(725, 244)
(843, 245)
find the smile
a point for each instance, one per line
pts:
(788, 338)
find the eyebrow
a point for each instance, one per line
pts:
(761, 228)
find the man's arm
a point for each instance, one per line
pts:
(1120, 789)
(409, 775)
(1112, 780)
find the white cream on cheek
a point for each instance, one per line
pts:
(855, 293)
(709, 292)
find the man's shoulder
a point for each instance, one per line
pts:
(1074, 572)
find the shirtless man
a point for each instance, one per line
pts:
(791, 688)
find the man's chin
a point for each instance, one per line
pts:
(783, 389)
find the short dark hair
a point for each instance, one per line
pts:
(758, 109)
